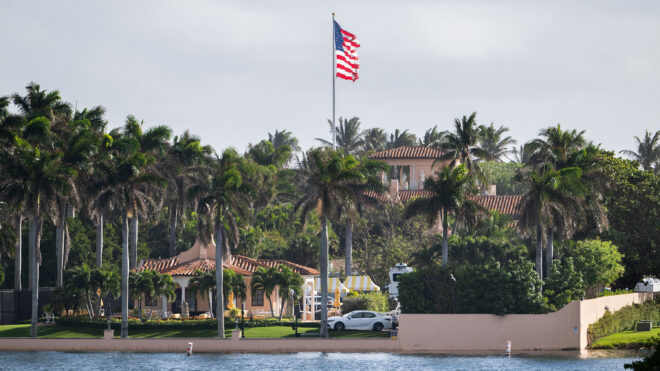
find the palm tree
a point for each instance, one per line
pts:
(375, 139)
(36, 179)
(289, 281)
(556, 146)
(163, 286)
(432, 137)
(204, 284)
(648, 151)
(523, 154)
(266, 280)
(284, 138)
(140, 285)
(448, 193)
(182, 166)
(152, 144)
(493, 144)
(127, 188)
(233, 282)
(222, 199)
(552, 201)
(462, 146)
(401, 139)
(349, 136)
(366, 195)
(330, 181)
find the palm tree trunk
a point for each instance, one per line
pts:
(349, 248)
(282, 307)
(59, 248)
(34, 274)
(324, 278)
(211, 303)
(539, 250)
(219, 298)
(124, 277)
(549, 252)
(445, 239)
(70, 213)
(134, 241)
(270, 301)
(173, 225)
(18, 256)
(99, 242)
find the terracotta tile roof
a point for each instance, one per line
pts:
(406, 195)
(407, 152)
(504, 204)
(239, 264)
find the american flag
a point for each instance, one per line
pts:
(346, 45)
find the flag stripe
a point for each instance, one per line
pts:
(347, 61)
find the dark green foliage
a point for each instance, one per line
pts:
(486, 288)
(502, 174)
(477, 250)
(633, 207)
(624, 319)
(374, 301)
(83, 322)
(563, 285)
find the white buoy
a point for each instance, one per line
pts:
(190, 345)
(508, 347)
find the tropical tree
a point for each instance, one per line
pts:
(163, 286)
(223, 201)
(448, 194)
(233, 282)
(432, 137)
(349, 136)
(203, 283)
(493, 143)
(35, 178)
(266, 280)
(289, 281)
(462, 146)
(552, 203)
(140, 285)
(126, 188)
(284, 138)
(330, 181)
(401, 139)
(183, 164)
(648, 151)
(556, 146)
(522, 154)
(375, 139)
(152, 144)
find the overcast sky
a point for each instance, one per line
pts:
(233, 71)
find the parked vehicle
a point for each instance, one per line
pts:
(360, 320)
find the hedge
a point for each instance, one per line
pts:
(115, 323)
(624, 319)
(374, 301)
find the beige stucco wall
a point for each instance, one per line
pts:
(448, 333)
(564, 329)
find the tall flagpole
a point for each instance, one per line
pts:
(334, 65)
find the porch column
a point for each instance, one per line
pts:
(413, 179)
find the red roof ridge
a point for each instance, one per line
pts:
(412, 152)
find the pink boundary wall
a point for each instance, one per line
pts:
(565, 329)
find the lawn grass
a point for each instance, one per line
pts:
(626, 340)
(256, 332)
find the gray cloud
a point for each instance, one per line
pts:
(233, 70)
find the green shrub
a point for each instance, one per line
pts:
(614, 292)
(650, 362)
(486, 288)
(115, 323)
(624, 319)
(374, 301)
(564, 285)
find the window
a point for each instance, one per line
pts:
(357, 315)
(258, 298)
(369, 315)
(395, 277)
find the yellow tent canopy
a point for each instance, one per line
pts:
(333, 283)
(360, 283)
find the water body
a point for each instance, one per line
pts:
(295, 361)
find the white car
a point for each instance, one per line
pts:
(360, 320)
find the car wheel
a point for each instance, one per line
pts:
(378, 326)
(339, 326)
